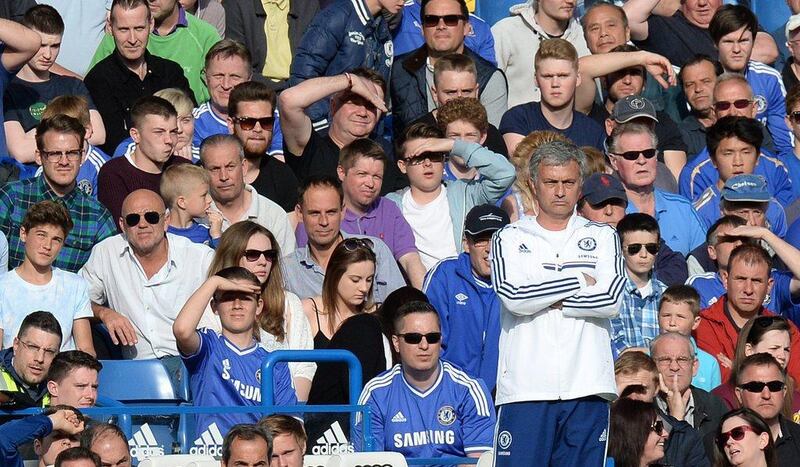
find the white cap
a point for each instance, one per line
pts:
(792, 24)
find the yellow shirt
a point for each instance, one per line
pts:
(276, 30)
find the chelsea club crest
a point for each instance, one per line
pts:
(587, 244)
(446, 415)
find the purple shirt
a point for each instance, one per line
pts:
(384, 220)
(182, 22)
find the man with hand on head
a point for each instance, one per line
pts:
(65, 421)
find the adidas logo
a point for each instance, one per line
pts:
(332, 442)
(144, 445)
(209, 443)
(523, 248)
(603, 436)
(399, 418)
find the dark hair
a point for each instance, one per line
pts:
(467, 109)
(245, 432)
(320, 181)
(279, 424)
(725, 221)
(745, 129)
(637, 222)
(792, 97)
(729, 18)
(415, 131)
(603, 3)
(630, 425)
(42, 320)
(60, 124)
(151, 105)
(47, 213)
(44, 19)
(101, 430)
(698, 59)
(238, 273)
(76, 454)
(753, 333)
(758, 425)
(361, 147)
(50, 410)
(250, 91)
(682, 293)
(129, 5)
(461, 3)
(757, 359)
(750, 254)
(227, 48)
(414, 306)
(390, 306)
(347, 252)
(70, 360)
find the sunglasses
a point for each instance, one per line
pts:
(248, 123)
(738, 103)
(758, 386)
(434, 157)
(658, 427)
(431, 21)
(767, 321)
(151, 217)
(253, 255)
(795, 116)
(634, 155)
(416, 338)
(635, 248)
(737, 434)
(352, 244)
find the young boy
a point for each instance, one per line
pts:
(462, 118)
(224, 369)
(93, 157)
(679, 311)
(637, 323)
(184, 188)
(35, 85)
(36, 285)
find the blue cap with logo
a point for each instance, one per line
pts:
(485, 218)
(599, 188)
(746, 187)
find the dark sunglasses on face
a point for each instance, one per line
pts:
(722, 106)
(737, 434)
(248, 123)
(795, 116)
(634, 155)
(434, 157)
(635, 248)
(658, 427)
(151, 217)
(758, 386)
(416, 338)
(430, 21)
(253, 255)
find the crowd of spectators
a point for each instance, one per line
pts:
(564, 232)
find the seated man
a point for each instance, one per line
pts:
(35, 85)
(461, 292)
(425, 407)
(246, 445)
(72, 379)
(36, 285)
(77, 457)
(223, 367)
(25, 364)
(138, 279)
(288, 439)
(52, 431)
(109, 443)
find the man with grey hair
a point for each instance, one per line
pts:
(223, 158)
(632, 154)
(559, 278)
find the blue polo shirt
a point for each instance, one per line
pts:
(679, 223)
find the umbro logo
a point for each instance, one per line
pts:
(399, 418)
(209, 443)
(461, 299)
(144, 445)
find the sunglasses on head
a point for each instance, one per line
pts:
(738, 103)
(634, 155)
(151, 217)
(758, 386)
(352, 243)
(766, 321)
(737, 434)
(248, 123)
(253, 255)
(416, 338)
(434, 157)
(635, 248)
(430, 21)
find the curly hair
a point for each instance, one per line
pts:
(468, 109)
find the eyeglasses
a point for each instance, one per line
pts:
(658, 427)
(758, 386)
(253, 255)
(49, 353)
(633, 155)
(635, 248)
(682, 361)
(434, 157)
(151, 217)
(55, 156)
(352, 244)
(722, 106)
(416, 338)
(795, 116)
(737, 434)
(431, 21)
(248, 123)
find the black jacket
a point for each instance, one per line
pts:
(684, 447)
(788, 445)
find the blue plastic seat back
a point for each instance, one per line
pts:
(142, 381)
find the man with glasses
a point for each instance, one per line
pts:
(445, 25)
(25, 364)
(59, 143)
(424, 406)
(632, 154)
(460, 289)
(139, 278)
(761, 386)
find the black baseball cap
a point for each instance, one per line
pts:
(485, 218)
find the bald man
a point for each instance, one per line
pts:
(139, 279)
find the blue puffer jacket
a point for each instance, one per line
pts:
(341, 37)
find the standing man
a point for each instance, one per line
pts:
(546, 307)
(697, 79)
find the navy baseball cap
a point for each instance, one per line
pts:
(485, 218)
(599, 188)
(746, 187)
